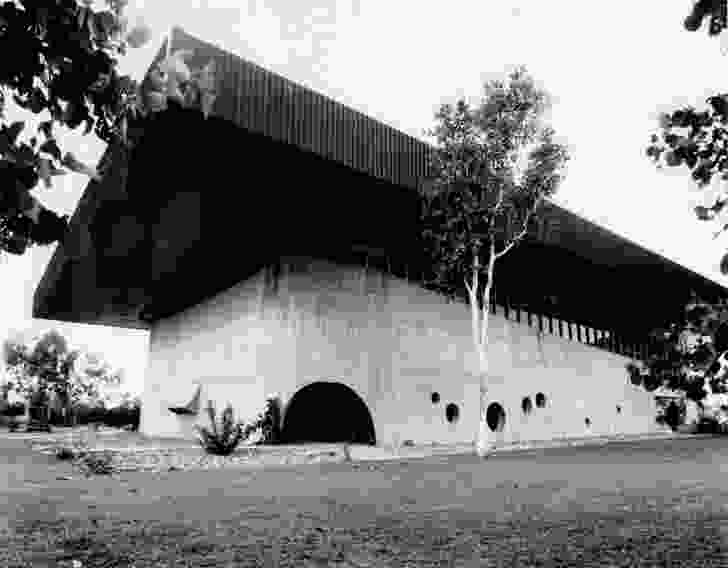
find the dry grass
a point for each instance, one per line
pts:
(621, 505)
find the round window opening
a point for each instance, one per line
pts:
(495, 416)
(587, 421)
(435, 397)
(452, 412)
(526, 405)
(540, 400)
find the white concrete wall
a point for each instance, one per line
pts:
(394, 344)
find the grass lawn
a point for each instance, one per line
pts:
(628, 504)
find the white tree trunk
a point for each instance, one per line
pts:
(480, 320)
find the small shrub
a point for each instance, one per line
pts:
(269, 422)
(709, 425)
(15, 409)
(88, 413)
(222, 438)
(64, 453)
(125, 416)
(98, 463)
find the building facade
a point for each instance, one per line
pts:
(273, 249)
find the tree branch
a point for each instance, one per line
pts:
(521, 234)
(468, 287)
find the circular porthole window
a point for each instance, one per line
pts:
(435, 397)
(452, 412)
(540, 400)
(495, 416)
(526, 405)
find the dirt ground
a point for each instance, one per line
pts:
(658, 503)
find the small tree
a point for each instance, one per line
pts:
(50, 366)
(492, 167)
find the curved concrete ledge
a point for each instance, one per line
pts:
(366, 453)
(301, 454)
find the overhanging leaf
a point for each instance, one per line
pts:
(724, 265)
(46, 127)
(13, 131)
(703, 213)
(51, 147)
(70, 161)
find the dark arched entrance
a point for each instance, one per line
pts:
(327, 412)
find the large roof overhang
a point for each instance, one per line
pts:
(279, 169)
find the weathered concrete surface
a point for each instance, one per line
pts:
(394, 344)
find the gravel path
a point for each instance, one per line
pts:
(131, 452)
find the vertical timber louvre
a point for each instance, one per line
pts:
(256, 100)
(286, 115)
(314, 125)
(336, 130)
(277, 110)
(324, 125)
(267, 95)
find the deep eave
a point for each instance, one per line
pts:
(294, 154)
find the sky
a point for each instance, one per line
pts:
(610, 66)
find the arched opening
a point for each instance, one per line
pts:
(526, 405)
(540, 400)
(327, 412)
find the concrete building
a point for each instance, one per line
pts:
(274, 249)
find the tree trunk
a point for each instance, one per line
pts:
(480, 320)
(483, 446)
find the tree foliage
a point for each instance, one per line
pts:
(698, 139)
(692, 353)
(715, 12)
(48, 365)
(64, 64)
(492, 167)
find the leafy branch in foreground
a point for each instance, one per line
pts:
(64, 66)
(692, 353)
(698, 140)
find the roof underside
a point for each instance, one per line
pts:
(280, 169)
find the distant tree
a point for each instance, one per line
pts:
(50, 366)
(493, 165)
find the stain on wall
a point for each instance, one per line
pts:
(394, 344)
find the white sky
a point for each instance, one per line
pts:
(611, 66)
